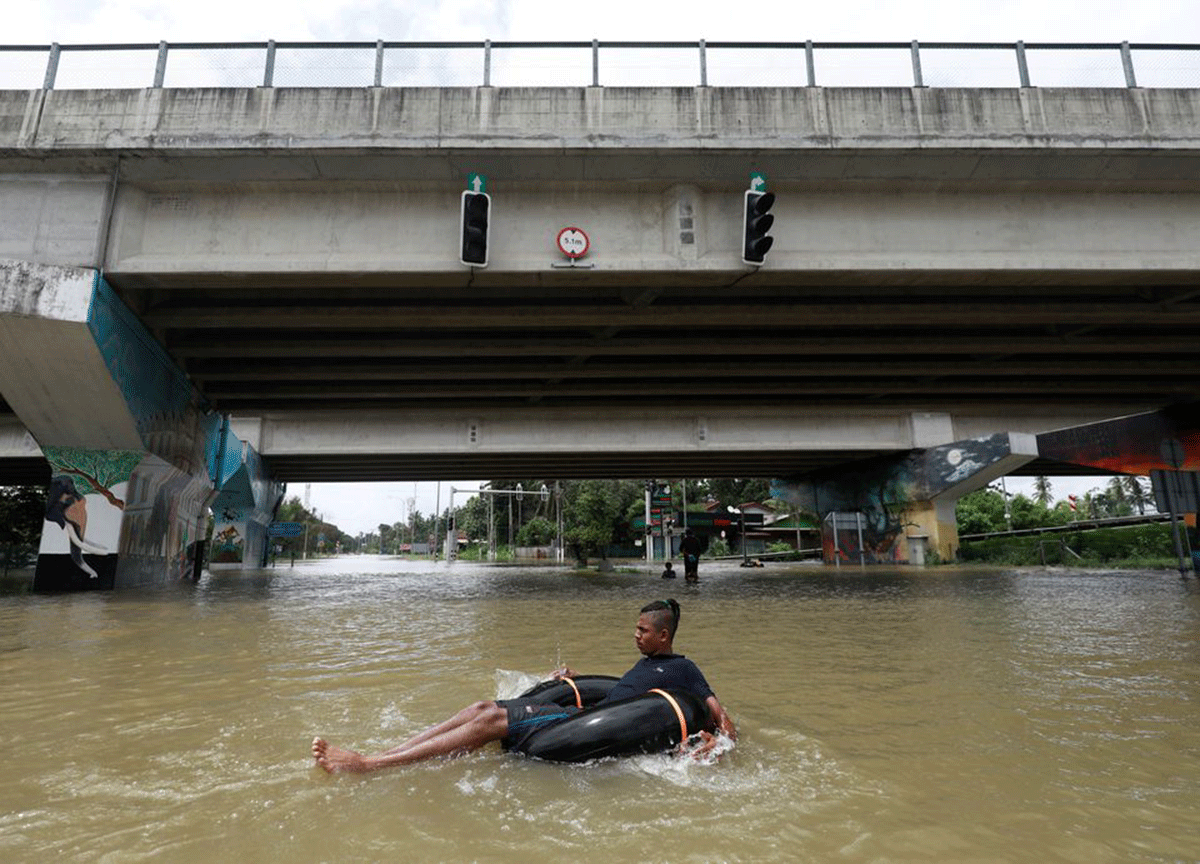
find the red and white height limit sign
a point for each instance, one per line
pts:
(573, 242)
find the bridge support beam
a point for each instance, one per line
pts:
(243, 508)
(131, 446)
(1167, 440)
(901, 510)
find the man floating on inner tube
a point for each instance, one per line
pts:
(515, 721)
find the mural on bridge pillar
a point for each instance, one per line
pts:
(116, 517)
(84, 509)
(243, 508)
(1128, 445)
(166, 515)
(892, 495)
(1136, 445)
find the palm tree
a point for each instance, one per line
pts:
(1136, 493)
(1041, 491)
(1116, 490)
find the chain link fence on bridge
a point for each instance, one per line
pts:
(600, 64)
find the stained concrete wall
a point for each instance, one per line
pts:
(365, 180)
(605, 118)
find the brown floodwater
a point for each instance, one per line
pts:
(885, 716)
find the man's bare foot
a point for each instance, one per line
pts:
(336, 760)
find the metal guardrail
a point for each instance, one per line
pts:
(522, 64)
(1077, 525)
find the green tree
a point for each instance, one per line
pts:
(1029, 513)
(980, 512)
(291, 510)
(1137, 493)
(536, 532)
(22, 512)
(1041, 490)
(591, 513)
(1116, 491)
(472, 518)
(733, 491)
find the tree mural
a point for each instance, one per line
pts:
(94, 470)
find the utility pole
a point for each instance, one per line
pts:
(558, 496)
(1007, 508)
(437, 518)
(649, 540)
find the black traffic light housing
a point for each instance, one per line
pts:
(757, 222)
(476, 212)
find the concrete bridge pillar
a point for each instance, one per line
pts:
(900, 510)
(131, 446)
(243, 508)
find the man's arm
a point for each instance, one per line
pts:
(723, 723)
(708, 741)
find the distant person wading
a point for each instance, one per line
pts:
(689, 547)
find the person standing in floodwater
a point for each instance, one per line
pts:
(689, 547)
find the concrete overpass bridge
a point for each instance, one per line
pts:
(949, 265)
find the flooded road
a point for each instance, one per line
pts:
(885, 716)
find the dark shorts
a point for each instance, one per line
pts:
(691, 563)
(526, 718)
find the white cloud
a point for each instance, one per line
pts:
(74, 21)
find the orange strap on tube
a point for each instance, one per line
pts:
(683, 730)
(578, 698)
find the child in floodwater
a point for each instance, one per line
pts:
(668, 573)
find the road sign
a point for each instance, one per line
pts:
(758, 181)
(1176, 491)
(711, 520)
(573, 242)
(285, 529)
(477, 183)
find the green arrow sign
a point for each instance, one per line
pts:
(758, 181)
(476, 182)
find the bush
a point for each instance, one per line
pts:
(1147, 543)
(15, 556)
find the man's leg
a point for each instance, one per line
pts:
(466, 715)
(468, 730)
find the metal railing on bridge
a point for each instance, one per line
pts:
(599, 63)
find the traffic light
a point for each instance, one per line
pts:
(476, 210)
(757, 222)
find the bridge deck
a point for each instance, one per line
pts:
(1003, 252)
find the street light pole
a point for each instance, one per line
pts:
(558, 496)
(1007, 509)
(739, 512)
(649, 537)
(451, 531)
(437, 517)
(745, 551)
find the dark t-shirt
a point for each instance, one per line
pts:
(667, 671)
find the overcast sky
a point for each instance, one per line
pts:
(76, 21)
(347, 505)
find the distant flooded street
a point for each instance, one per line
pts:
(885, 716)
